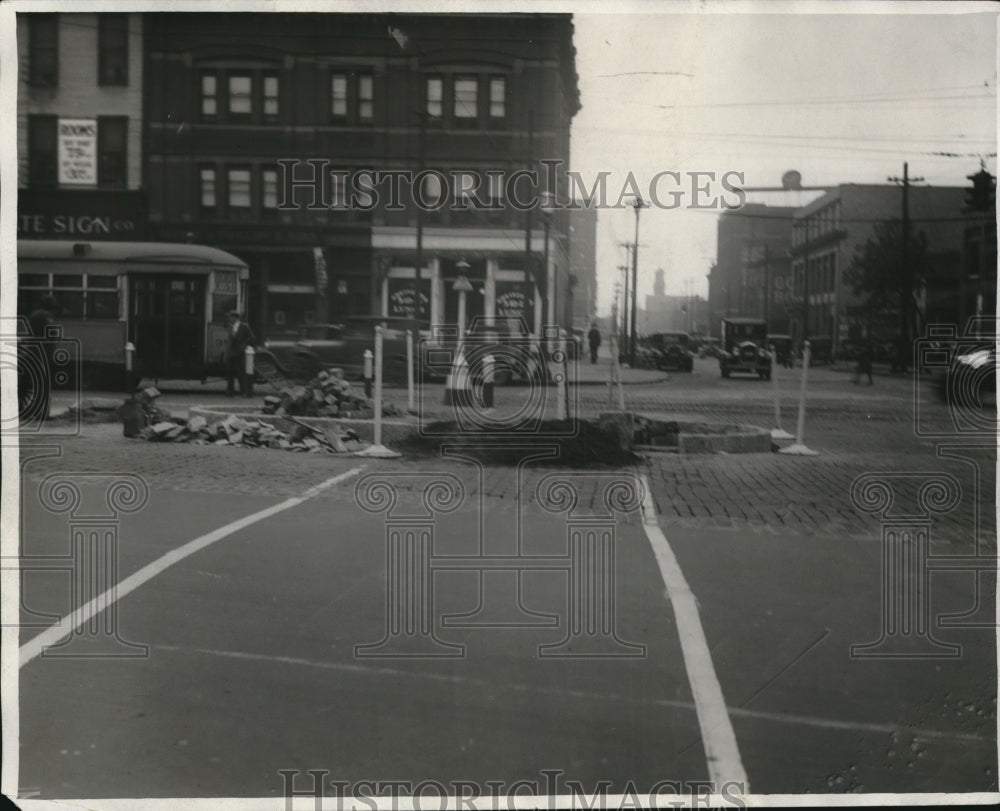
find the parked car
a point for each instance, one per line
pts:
(820, 350)
(670, 351)
(969, 380)
(782, 348)
(744, 347)
(341, 345)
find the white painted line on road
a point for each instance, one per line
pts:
(718, 738)
(70, 623)
(396, 675)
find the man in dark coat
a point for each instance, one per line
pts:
(594, 338)
(865, 359)
(34, 378)
(240, 337)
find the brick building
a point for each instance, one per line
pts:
(79, 126)
(828, 233)
(260, 126)
(752, 273)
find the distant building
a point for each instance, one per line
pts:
(752, 273)
(664, 313)
(828, 233)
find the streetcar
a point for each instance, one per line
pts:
(168, 300)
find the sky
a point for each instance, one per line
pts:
(841, 98)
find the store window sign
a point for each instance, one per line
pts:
(403, 302)
(510, 304)
(78, 151)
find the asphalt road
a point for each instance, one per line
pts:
(251, 664)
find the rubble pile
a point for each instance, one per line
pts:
(326, 395)
(253, 433)
(240, 431)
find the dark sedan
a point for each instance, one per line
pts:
(671, 350)
(342, 345)
(970, 378)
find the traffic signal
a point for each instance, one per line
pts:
(983, 194)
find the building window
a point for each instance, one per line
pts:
(435, 97)
(112, 149)
(112, 49)
(239, 188)
(498, 97)
(43, 49)
(240, 99)
(366, 97)
(269, 188)
(338, 93)
(270, 95)
(42, 150)
(466, 97)
(209, 94)
(207, 175)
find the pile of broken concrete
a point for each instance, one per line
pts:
(326, 395)
(243, 431)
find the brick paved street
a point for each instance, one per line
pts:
(855, 430)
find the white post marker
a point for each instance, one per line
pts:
(777, 432)
(377, 450)
(129, 362)
(368, 372)
(799, 448)
(248, 355)
(489, 375)
(409, 370)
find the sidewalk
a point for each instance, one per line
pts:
(598, 374)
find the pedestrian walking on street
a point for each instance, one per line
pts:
(240, 337)
(594, 338)
(34, 378)
(865, 359)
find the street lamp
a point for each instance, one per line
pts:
(462, 287)
(546, 207)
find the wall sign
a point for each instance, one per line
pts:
(78, 151)
(90, 214)
(403, 298)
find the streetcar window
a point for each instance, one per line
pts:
(70, 303)
(34, 280)
(93, 280)
(67, 280)
(102, 305)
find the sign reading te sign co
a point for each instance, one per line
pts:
(78, 151)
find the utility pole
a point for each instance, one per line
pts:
(624, 309)
(528, 263)
(638, 205)
(906, 276)
(422, 158)
(805, 284)
(767, 285)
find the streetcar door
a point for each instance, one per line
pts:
(167, 325)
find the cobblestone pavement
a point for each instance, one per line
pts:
(855, 430)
